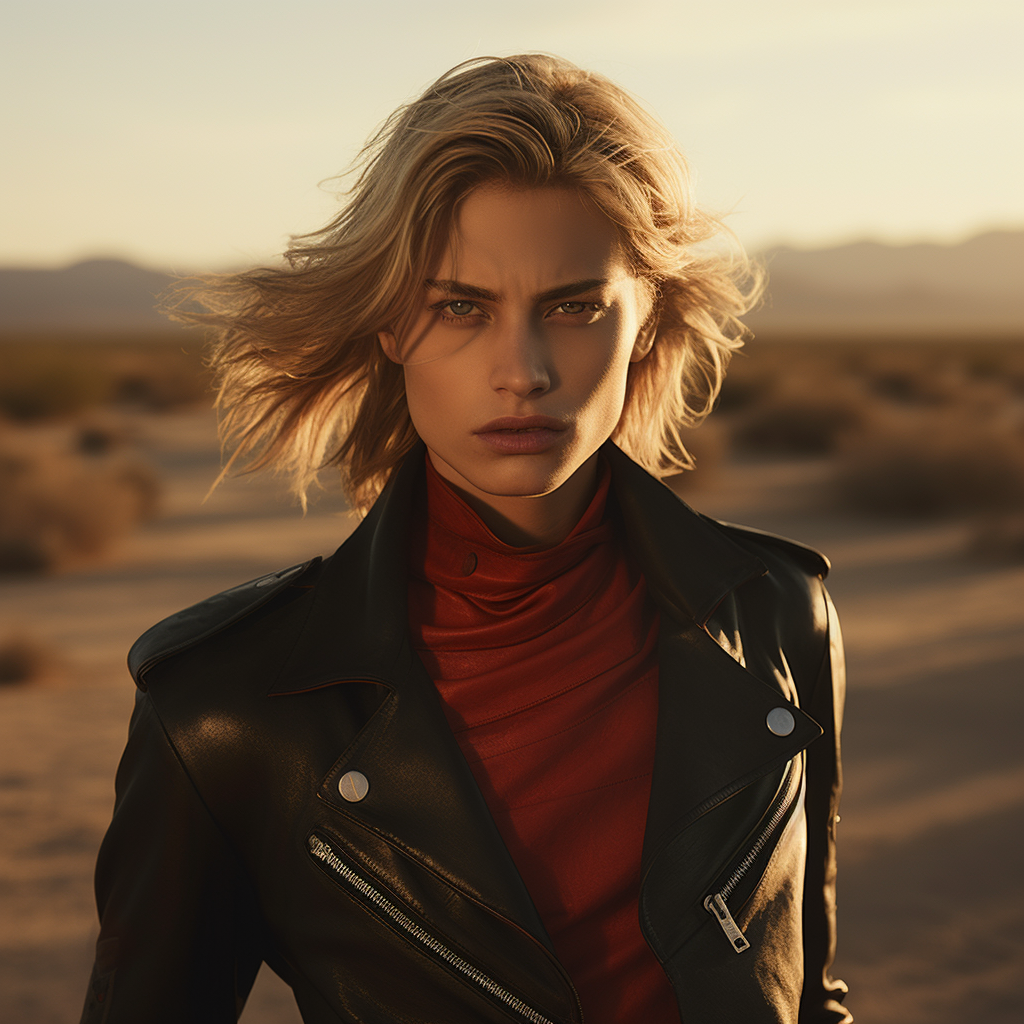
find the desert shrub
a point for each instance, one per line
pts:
(908, 377)
(709, 445)
(57, 506)
(47, 378)
(933, 462)
(160, 392)
(999, 538)
(751, 377)
(34, 387)
(161, 378)
(23, 659)
(803, 427)
(804, 397)
(98, 437)
(138, 480)
(798, 424)
(994, 361)
(938, 373)
(791, 398)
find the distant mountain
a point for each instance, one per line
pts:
(871, 288)
(93, 296)
(866, 288)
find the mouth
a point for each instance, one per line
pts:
(521, 424)
(521, 435)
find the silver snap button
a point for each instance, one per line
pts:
(353, 786)
(780, 721)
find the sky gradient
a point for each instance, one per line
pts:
(195, 135)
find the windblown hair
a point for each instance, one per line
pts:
(303, 383)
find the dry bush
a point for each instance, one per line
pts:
(37, 385)
(910, 375)
(98, 436)
(709, 445)
(806, 413)
(798, 425)
(46, 378)
(161, 377)
(805, 397)
(999, 538)
(58, 506)
(933, 462)
(752, 375)
(937, 373)
(791, 398)
(23, 659)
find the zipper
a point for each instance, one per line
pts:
(379, 902)
(715, 904)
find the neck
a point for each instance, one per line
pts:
(536, 521)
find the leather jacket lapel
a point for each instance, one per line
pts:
(713, 738)
(423, 796)
(357, 624)
(689, 564)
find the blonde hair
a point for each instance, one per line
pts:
(302, 381)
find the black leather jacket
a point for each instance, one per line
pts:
(232, 844)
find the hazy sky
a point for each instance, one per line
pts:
(194, 134)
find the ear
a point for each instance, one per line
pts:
(389, 343)
(644, 339)
(649, 298)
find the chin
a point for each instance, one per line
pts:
(518, 482)
(520, 476)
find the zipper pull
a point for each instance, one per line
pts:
(715, 906)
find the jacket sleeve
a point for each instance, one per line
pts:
(822, 995)
(178, 927)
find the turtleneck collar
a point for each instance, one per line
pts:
(459, 551)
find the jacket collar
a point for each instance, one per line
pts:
(687, 560)
(357, 625)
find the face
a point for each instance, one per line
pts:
(515, 361)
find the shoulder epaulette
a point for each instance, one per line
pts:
(809, 559)
(200, 621)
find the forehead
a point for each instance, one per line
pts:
(504, 238)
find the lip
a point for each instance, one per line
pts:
(521, 435)
(521, 423)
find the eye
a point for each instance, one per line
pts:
(457, 308)
(579, 311)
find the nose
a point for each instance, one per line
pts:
(520, 360)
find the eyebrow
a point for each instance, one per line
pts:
(471, 291)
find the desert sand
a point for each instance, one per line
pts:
(931, 907)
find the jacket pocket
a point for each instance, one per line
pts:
(387, 907)
(734, 887)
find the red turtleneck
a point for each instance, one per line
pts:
(546, 662)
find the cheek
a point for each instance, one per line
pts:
(433, 399)
(610, 397)
(603, 374)
(417, 397)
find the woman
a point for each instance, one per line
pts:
(537, 743)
